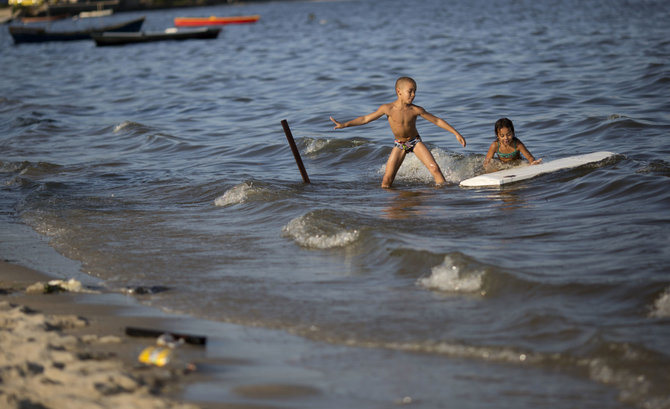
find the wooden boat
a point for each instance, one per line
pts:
(96, 13)
(213, 20)
(43, 19)
(117, 38)
(22, 34)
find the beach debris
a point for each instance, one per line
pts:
(164, 356)
(155, 355)
(163, 353)
(147, 332)
(169, 340)
(56, 286)
(141, 290)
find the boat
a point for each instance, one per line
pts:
(43, 19)
(117, 38)
(96, 13)
(214, 21)
(22, 34)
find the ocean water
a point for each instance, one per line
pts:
(166, 164)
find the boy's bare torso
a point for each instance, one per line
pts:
(402, 120)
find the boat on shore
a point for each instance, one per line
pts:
(214, 21)
(174, 34)
(22, 34)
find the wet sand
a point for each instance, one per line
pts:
(70, 350)
(61, 350)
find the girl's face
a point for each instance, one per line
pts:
(505, 135)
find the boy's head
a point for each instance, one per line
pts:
(404, 81)
(405, 88)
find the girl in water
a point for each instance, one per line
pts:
(507, 146)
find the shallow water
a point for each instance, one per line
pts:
(166, 164)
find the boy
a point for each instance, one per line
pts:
(402, 118)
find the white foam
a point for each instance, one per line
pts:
(448, 277)
(661, 307)
(315, 145)
(235, 195)
(131, 126)
(122, 126)
(453, 168)
(314, 232)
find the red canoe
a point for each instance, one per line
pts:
(213, 20)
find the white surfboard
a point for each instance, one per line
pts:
(506, 176)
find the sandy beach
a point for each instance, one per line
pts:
(59, 351)
(70, 349)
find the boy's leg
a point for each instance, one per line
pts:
(392, 165)
(424, 155)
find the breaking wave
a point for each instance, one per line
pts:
(238, 194)
(319, 231)
(455, 167)
(661, 307)
(448, 277)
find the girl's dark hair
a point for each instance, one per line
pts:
(504, 123)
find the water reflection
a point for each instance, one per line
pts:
(404, 204)
(509, 198)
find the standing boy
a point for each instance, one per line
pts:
(402, 118)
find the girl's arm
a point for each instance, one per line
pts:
(490, 153)
(527, 154)
(442, 124)
(361, 120)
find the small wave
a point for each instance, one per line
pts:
(661, 307)
(657, 167)
(454, 167)
(448, 277)
(131, 126)
(237, 194)
(318, 230)
(25, 173)
(315, 146)
(492, 354)
(633, 370)
(602, 126)
(620, 365)
(35, 119)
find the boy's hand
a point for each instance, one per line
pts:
(338, 125)
(461, 139)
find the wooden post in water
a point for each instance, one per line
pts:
(294, 148)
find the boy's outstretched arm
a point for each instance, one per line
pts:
(443, 124)
(361, 120)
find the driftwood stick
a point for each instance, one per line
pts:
(294, 148)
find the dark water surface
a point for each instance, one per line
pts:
(166, 164)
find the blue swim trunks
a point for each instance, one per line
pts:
(407, 146)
